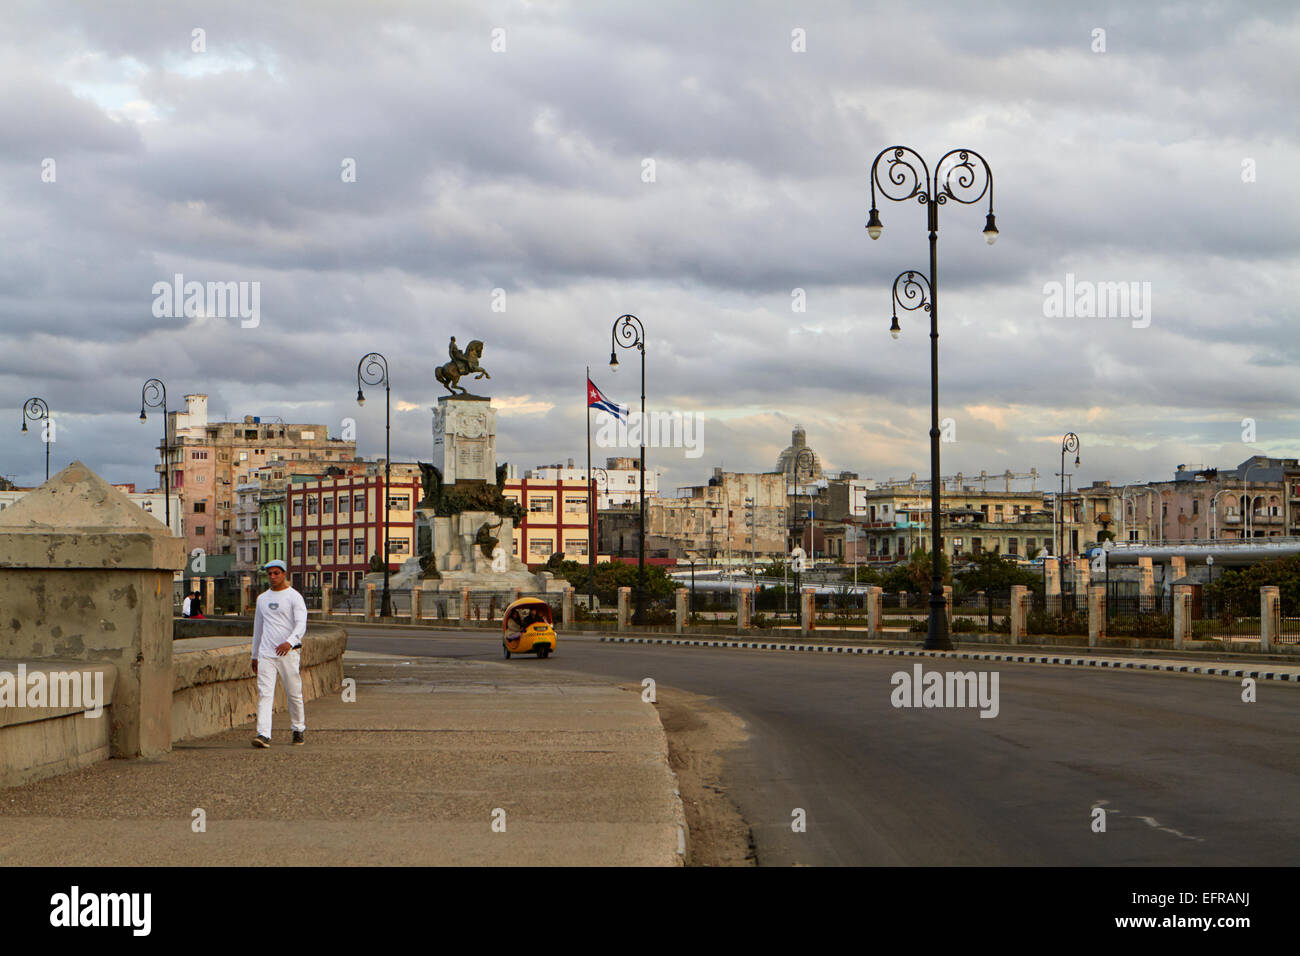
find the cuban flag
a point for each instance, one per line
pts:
(596, 399)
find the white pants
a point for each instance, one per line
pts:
(287, 668)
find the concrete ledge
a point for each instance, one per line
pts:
(38, 742)
(215, 689)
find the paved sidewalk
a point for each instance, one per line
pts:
(413, 773)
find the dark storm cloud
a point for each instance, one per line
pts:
(522, 171)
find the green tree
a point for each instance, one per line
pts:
(914, 576)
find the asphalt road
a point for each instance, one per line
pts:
(1187, 773)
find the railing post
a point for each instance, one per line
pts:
(1096, 615)
(875, 605)
(417, 602)
(1270, 616)
(245, 594)
(680, 595)
(370, 602)
(1052, 590)
(464, 606)
(326, 601)
(210, 596)
(807, 611)
(1182, 615)
(624, 599)
(744, 609)
(566, 607)
(1019, 612)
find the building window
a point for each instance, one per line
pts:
(327, 505)
(399, 502)
(359, 546)
(542, 505)
(359, 503)
(575, 504)
(328, 545)
(200, 507)
(297, 549)
(297, 507)
(201, 530)
(225, 527)
(398, 545)
(1013, 546)
(327, 578)
(343, 504)
(1196, 506)
(311, 549)
(311, 505)
(575, 545)
(540, 547)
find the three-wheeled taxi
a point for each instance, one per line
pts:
(527, 628)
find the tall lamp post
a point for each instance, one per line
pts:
(373, 370)
(628, 333)
(1069, 443)
(794, 475)
(956, 177)
(35, 410)
(153, 394)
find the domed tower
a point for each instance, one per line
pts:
(810, 466)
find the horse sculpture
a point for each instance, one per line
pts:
(461, 364)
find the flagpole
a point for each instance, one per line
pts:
(591, 508)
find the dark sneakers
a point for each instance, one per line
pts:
(299, 737)
(260, 741)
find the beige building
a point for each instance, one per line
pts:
(733, 517)
(210, 459)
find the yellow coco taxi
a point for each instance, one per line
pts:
(526, 628)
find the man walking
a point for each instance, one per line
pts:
(278, 630)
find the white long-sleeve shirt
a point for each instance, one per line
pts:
(281, 616)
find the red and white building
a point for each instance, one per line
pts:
(555, 518)
(334, 525)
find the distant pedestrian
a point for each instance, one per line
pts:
(196, 606)
(278, 630)
(185, 605)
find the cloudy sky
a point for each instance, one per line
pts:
(505, 146)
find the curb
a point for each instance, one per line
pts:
(971, 655)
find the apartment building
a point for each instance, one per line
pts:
(209, 460)
(334, 525)
(618, 483)
(555, 518)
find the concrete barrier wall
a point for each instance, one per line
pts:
(39, 742)
(216, 689)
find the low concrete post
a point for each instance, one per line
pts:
(875, 605)
(516, 594)
(1052, 590)
(1146, 586)
(464, 606)
(1096, 615)
(1177, 567)
(566, 607)
(947, 603)
(210, 596)
(245, 594)
(326, 601)
(807, 611)
(624, 602)
(1082, 576)
(680, 604)
(744, 609)
(417, 603)
(1019, 612)
(1270, 616)
(86, 575)
(370, 602)
(1182, 615)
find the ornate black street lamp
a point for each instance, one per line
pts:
(35, 410)
(628, 333)
(373, 370)
(956, 177)
(1069, 443)
(153, 394)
